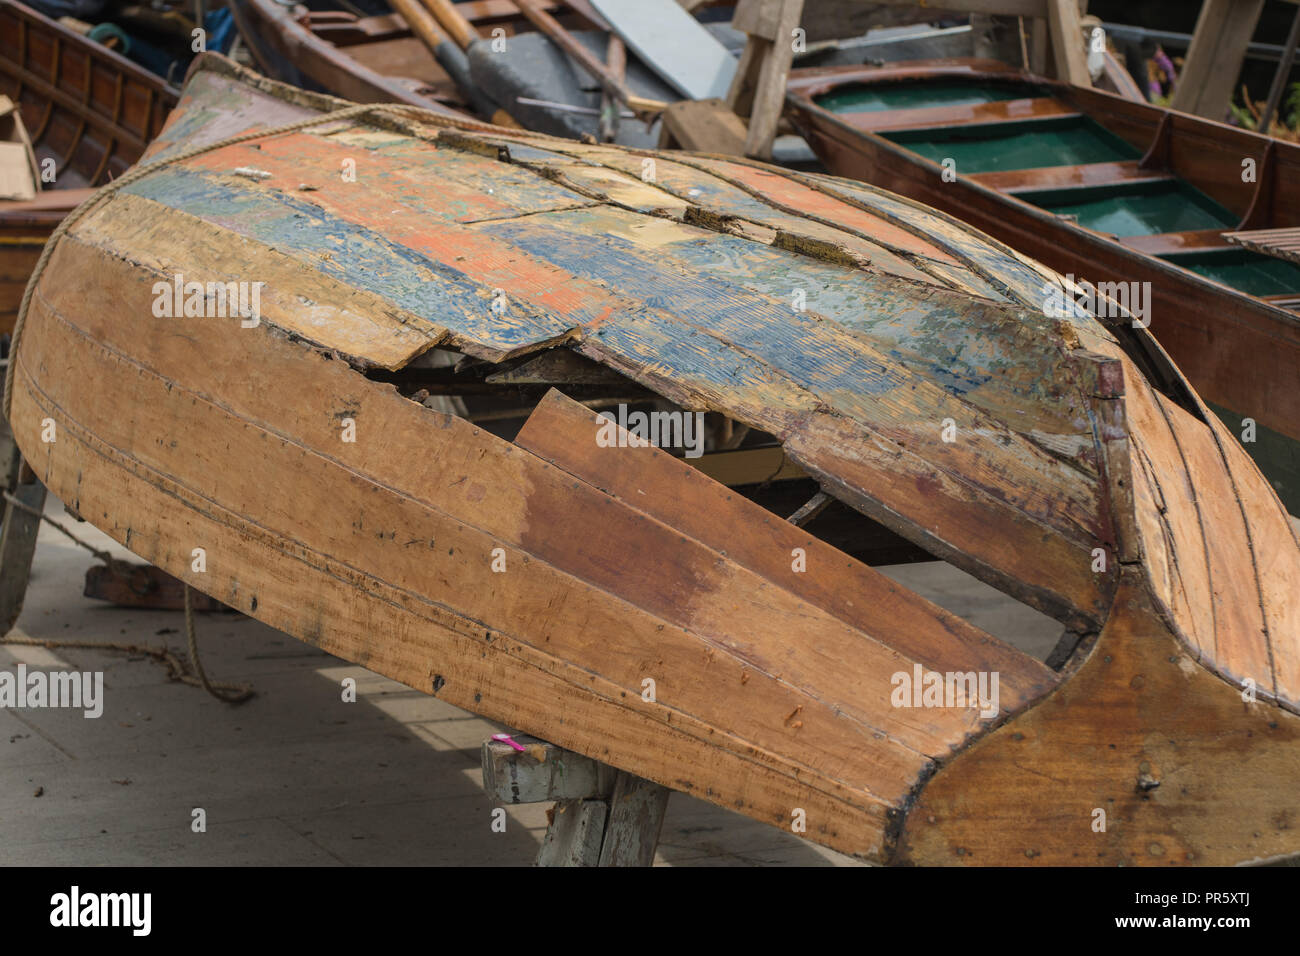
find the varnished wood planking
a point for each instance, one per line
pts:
(1139, 712)
(363, 620)
(510, 523)
(650, 480)
(1058, 177)
(998, 111)
(1240, 640)
(1276, 551)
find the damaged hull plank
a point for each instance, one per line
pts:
(772, 686)
(458, 269)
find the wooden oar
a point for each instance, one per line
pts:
(422, 24)
(450, 56)
(453, 21)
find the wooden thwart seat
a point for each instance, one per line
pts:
(1083, 175)
(964, 114)
(1191, 240)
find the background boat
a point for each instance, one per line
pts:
(90, 113)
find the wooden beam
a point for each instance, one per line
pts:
(575, 835)
(703, 126)
(1282, 76)
(145, 586)
(603, 816)
(759, 87)
(616, 63)
(636, 816)
(542, 772)
(1067, 42)
(1223, 32)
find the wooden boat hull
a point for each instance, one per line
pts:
(89, 110)
(585, 587)
(1241, 352)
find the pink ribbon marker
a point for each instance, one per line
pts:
(507, 739)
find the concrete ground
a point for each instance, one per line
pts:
(296, 775)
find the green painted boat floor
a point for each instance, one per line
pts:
(1121, 209)
(1023, 144)
(1277, 456)
(875, 98)
(1243, 270)
(1137, 209)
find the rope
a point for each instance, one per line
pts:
(221, 690)
(192, 674)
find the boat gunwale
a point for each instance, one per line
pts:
(800, 98)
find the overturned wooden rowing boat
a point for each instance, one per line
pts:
(1119, 194)
(91, 113)
(264, 412)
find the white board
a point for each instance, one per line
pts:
(672, 43)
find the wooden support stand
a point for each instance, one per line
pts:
(602, 816)
(1223, 32)
(758, 89)
(18, 533)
